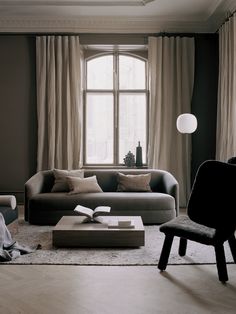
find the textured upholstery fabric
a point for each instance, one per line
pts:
(183, 226)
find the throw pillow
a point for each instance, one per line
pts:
(60, 183)
(85, 185)
(133, 183)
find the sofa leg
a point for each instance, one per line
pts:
(221, 263)
(182, 246)
(165, 252)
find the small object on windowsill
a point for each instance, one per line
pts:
(139, 158)
(129, 160)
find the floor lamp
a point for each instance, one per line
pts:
(186, 124)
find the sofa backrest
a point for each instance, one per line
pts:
(107, 178)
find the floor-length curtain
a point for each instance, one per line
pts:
(226, 110)
(59, 102)
(171, 76)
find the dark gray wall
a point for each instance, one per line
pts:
(18, 122)
(17, 113)
(204, 101)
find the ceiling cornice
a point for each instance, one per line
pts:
(99, 25)
(110, 24)
(77, 3)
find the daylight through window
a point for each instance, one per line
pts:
(115, 108)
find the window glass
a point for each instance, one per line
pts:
(100, 73)
(99, 128)
(132, 124)
(131, 73)
(115, 108)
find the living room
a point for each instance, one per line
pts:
(114, 26)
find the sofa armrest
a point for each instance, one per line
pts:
(39, 183)
(171, 187)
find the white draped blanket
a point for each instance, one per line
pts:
(10, 249)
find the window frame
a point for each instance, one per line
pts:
(116, 94)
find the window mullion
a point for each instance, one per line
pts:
(116, 107)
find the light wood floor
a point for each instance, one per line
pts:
(115, 290)
(181, 289)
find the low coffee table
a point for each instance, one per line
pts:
(71, 232)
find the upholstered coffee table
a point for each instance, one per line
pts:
(71, 232)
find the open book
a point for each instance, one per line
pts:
(92, 215)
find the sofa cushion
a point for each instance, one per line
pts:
(60, 183)
(85, 185)
(133, 183)
(118, 201)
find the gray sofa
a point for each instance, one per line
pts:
(162, 204)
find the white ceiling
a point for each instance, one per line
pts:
(113, 16)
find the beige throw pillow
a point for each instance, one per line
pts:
(60, 183)
(133, 183)
(85, 185)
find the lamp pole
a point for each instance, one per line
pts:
(186, 123)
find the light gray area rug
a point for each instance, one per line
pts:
(31, 235)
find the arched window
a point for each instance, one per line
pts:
(115, 108)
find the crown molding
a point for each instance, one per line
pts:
(208, 23)
(99, 25)
(221, 13)
(228, 6)
(77, 3)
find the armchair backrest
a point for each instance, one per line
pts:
(212, 200)
(232, 160)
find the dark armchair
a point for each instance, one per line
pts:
(211, 215)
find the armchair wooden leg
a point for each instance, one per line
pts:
(165, 252)
(182, 246)
(221, 263)
(232, 244)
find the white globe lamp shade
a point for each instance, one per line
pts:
(186, 123)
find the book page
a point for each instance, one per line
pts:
(101, 209)
(85, 211)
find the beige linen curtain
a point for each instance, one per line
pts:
(59, 102)
(171, 77)
(226, 110)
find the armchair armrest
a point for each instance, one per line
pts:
(8, 200)
(171, 187)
